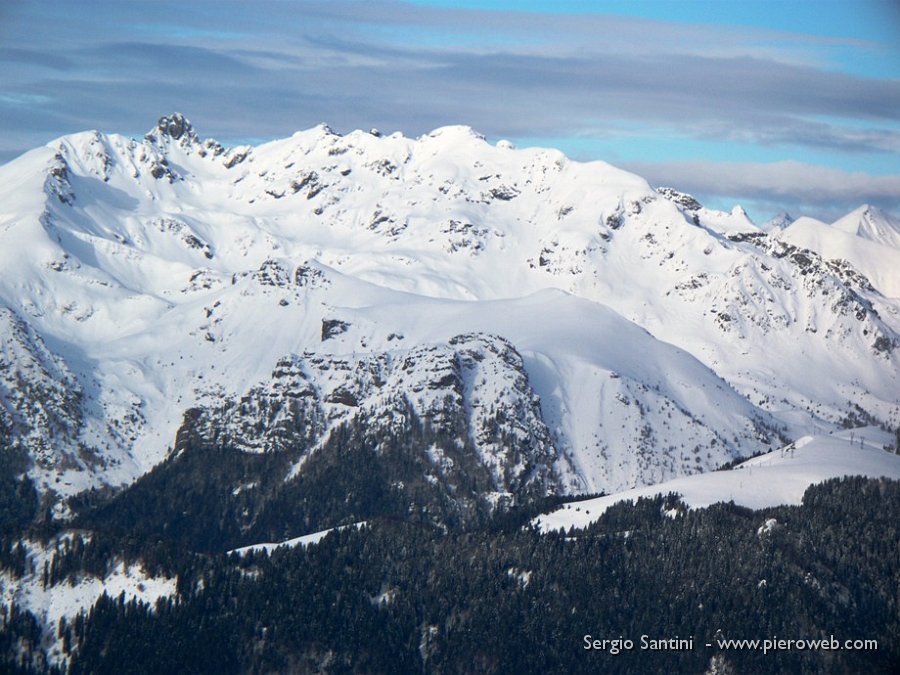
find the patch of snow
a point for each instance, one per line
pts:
(303, 540)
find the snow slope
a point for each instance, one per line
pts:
(779, 477)
(866, 238)
(871, 223)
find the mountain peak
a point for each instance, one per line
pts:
(778, 222)
(456, 131)
(681, 198)
(870, 222)
(873, 213)
(175, 126)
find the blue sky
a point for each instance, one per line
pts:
(787, 105)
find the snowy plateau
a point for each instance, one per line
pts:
(532, 326)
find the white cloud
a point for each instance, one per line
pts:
(789, 185)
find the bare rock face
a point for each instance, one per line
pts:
(683, 199)
(41, 412)
(463, 411)
(175, 126)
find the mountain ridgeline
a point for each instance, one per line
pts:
(170, 273)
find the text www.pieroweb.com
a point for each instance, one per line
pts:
(775, 644)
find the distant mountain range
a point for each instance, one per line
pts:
(625, 335)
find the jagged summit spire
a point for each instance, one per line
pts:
(175, 126)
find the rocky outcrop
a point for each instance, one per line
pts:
(466, 406)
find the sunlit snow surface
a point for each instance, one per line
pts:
(304, 540)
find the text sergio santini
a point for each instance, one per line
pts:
(620, 644)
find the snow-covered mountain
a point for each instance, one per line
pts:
(867, 238)
(624, 335)
(870, 222)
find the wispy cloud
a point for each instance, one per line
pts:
(777, 185)
(267, 69)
